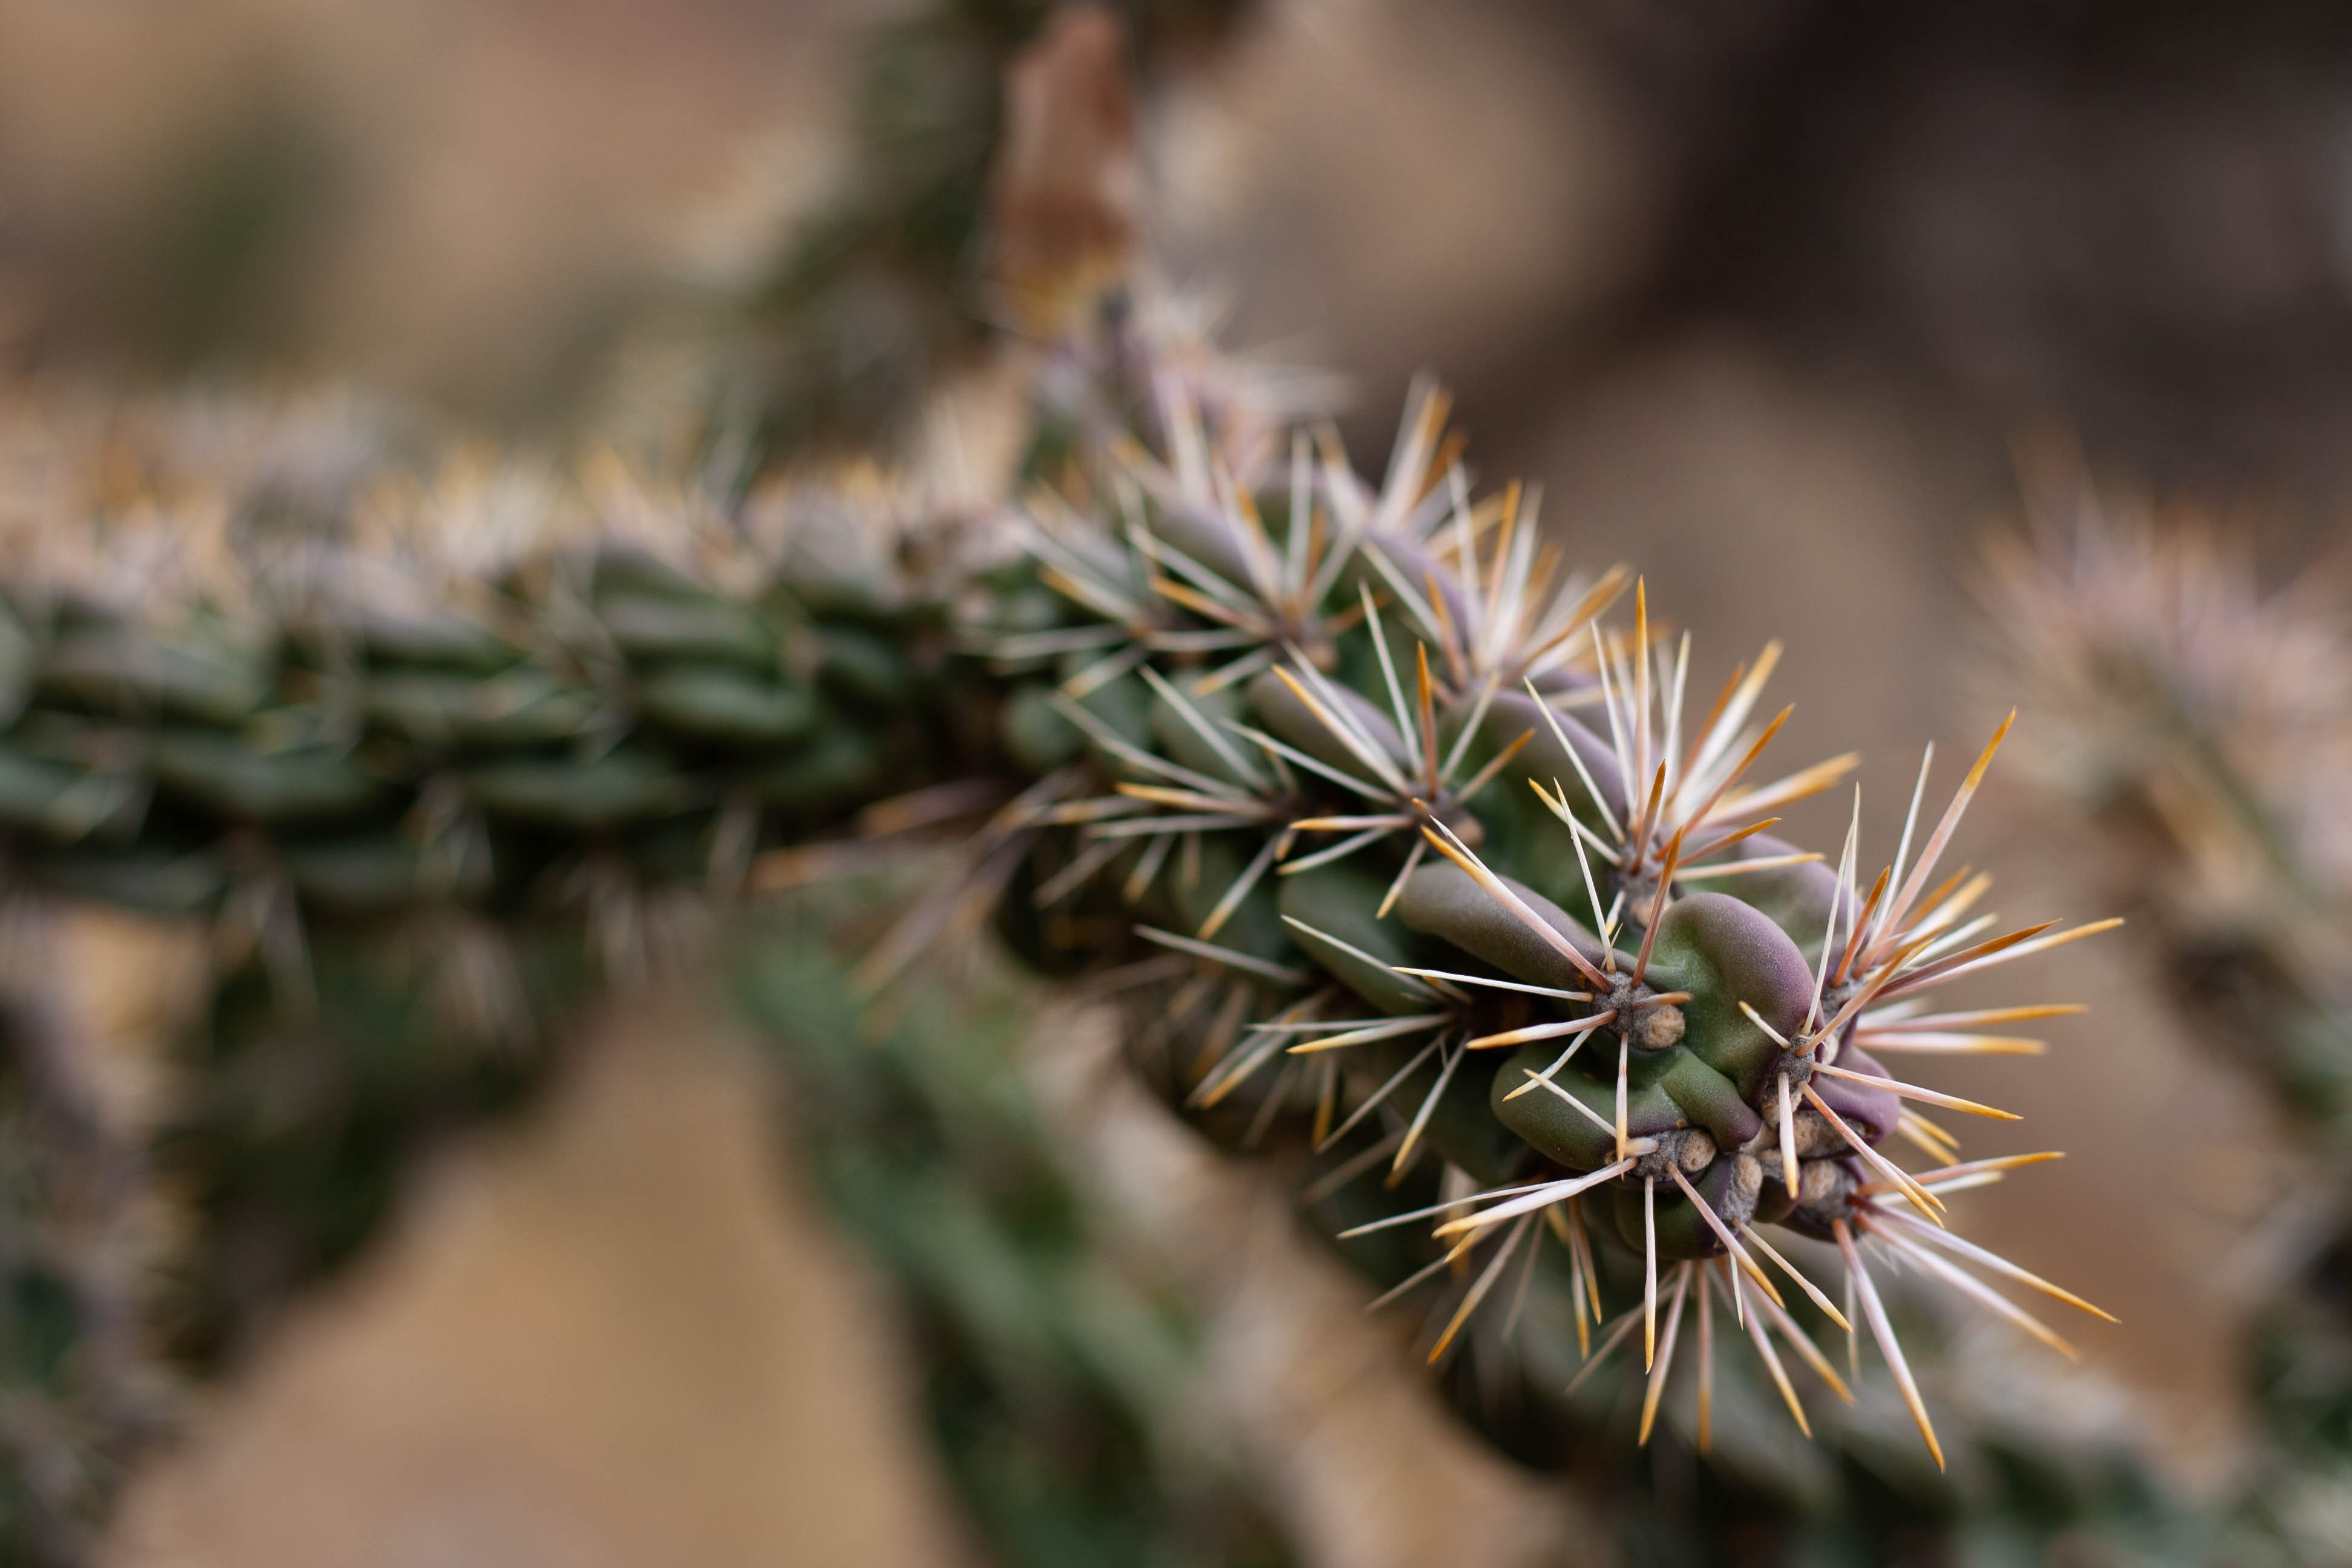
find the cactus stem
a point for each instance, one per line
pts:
(1453, 849)
(1541, 1081)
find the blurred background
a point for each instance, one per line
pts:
(1768, 296)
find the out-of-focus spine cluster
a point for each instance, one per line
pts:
(2199, 721)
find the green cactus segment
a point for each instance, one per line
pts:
(1797, 899)
(1707, 944)
(1525, 833)
(1682, 1232)
(1195, 736)
(1329, 912)
(1443, 902)
(417, 762)
(1462, 1128)
(1724, 954)
(720, 705)
(1584, 1139)
(1290, 718)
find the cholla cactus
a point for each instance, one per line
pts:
(1343, 747)
(2197, 726)
(1402, 840)
(1367, 748)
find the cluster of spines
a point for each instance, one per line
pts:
(1365, 680)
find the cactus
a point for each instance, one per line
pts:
(1324, 806)
(1398, 845)
(588, 732)
(2190, 729)
(1056, 1370)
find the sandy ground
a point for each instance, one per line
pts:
(618, 1336)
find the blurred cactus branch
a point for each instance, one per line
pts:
(2198, 723)
(993, 164)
